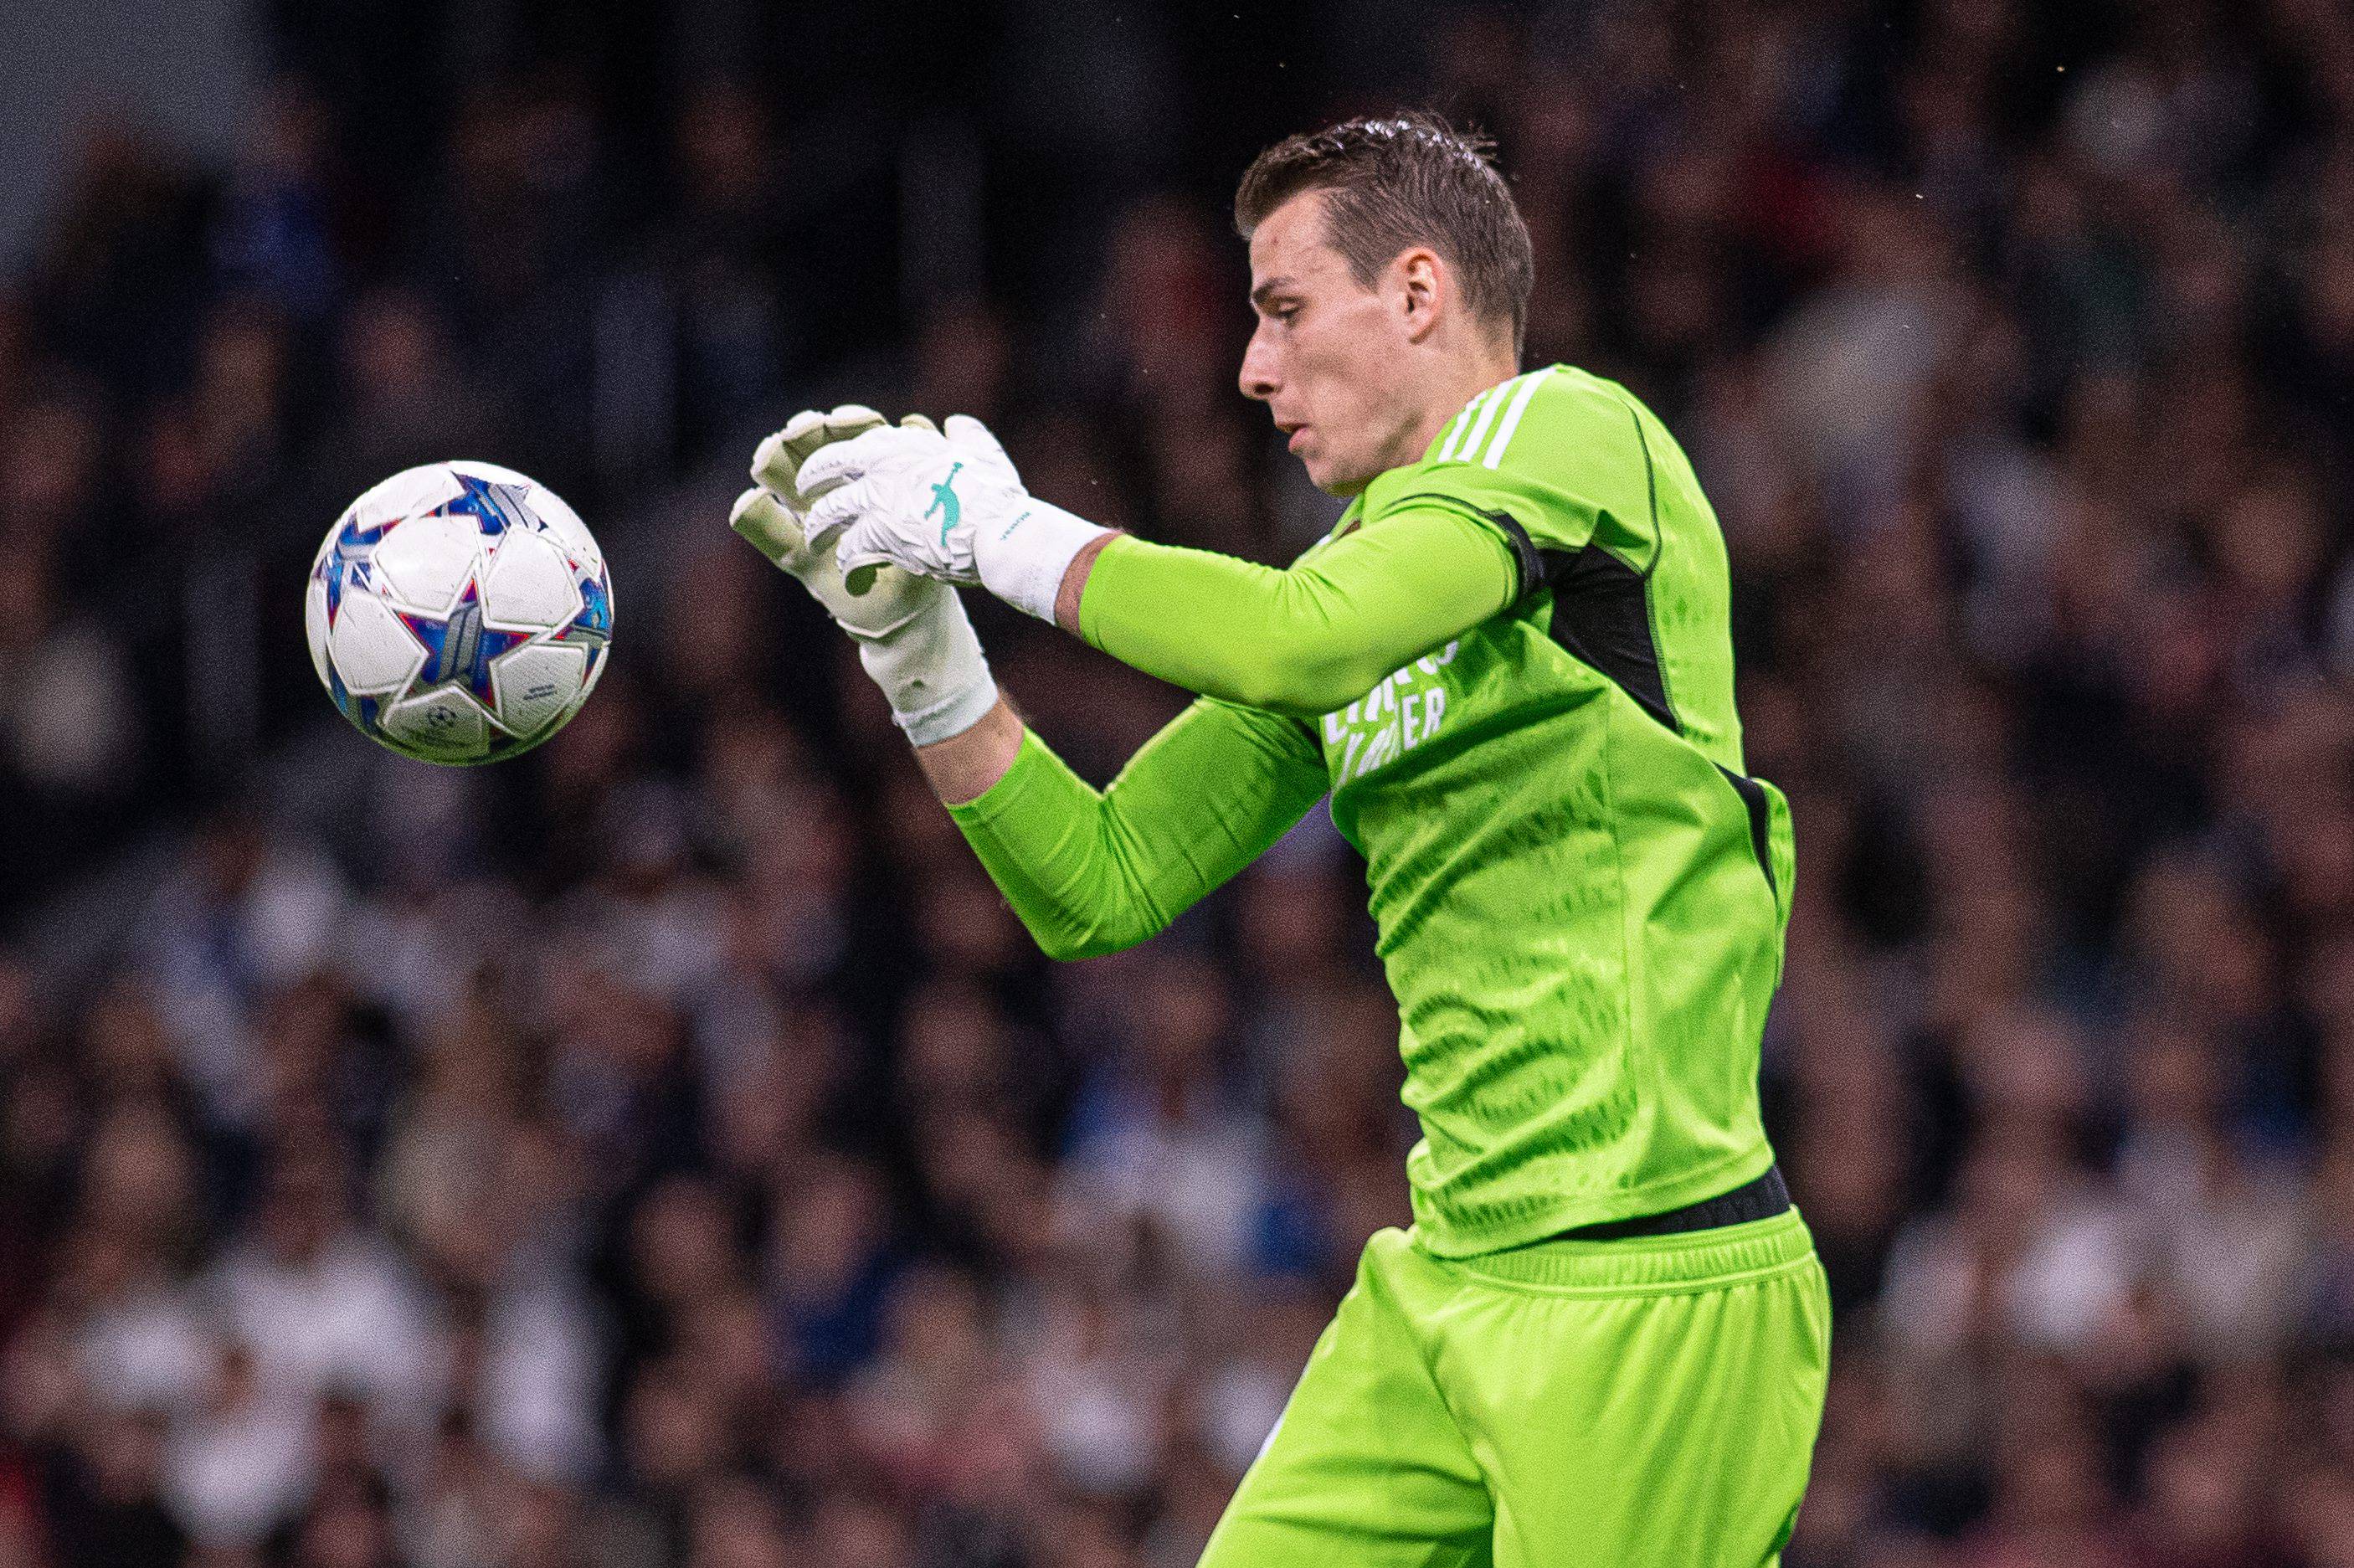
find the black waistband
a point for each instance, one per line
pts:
(1761, 1199)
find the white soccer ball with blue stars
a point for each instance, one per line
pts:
(460, 613)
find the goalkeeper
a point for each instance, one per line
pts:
(1604, 1341)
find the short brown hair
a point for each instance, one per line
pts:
(1402, 180)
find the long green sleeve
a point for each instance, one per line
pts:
(1309, 640)
(1092, 872)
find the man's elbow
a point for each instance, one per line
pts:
(1065, 940)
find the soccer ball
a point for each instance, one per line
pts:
(459, 613)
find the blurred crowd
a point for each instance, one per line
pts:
(666, 1148)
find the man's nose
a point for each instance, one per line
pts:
(1257, 378)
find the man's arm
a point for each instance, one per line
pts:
(1092, 872)
(949, 504)
(1304, 641)
(1075, 581)
(964, 767)
(1088, 872)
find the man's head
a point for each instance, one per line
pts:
(1391, 273)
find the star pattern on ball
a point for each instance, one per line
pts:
(594, 625)
(592, 628)
(459, 648)
(349, 564)
(497, 507)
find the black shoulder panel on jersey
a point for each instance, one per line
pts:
(1600, 615)
(1525, 552)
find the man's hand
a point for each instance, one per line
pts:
(770, 514)
(912, 635)
(948, 504)
(912, 496)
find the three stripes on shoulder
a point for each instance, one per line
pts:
(1471, 427)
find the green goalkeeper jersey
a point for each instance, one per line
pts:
(1580, 896)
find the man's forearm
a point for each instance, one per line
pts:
(1091, 871)
(963, 767)
(1075, 583)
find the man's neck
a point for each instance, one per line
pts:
(1449, 397)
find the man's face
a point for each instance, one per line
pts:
(1329, 357)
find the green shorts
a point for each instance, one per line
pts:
(1636, 1402)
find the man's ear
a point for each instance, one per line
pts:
(1422, 281)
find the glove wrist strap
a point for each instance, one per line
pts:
(932, 672)
(951, 715)
(1022, 562)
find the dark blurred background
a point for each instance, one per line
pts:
(666, 1150)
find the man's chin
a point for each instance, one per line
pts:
(1333, 477)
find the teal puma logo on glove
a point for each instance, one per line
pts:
(944, 501)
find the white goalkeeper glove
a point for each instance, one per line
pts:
(912, 635)
(945, 504)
